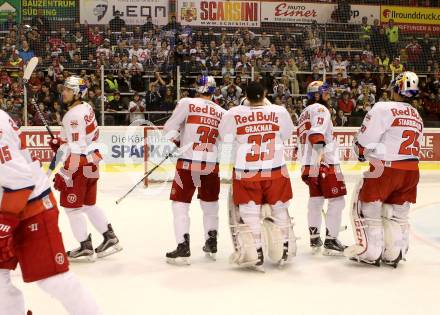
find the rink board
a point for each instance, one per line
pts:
(134, 149)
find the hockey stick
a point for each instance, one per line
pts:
(30, 68)
(146, 175)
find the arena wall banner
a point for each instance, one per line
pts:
(219, 13)
(302, 12)
(60, 11)
(133, 12)
(412, 19)
(124, 150)
(10, 7)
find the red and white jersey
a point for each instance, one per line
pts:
(194, 124)
(315, 125)
(19, 173)
(80, 131)
(258, 134)
(393, 131)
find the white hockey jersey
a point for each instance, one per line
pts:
(80, 132)
(24, 186)
(194, 123)
(392, 131)
(258, 134)
(315, 122)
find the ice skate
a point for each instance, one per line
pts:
(210, 247)
(110, 245)
(333, 247)
(84, 253)
(181, 255)
(259, 266)
(315, 240)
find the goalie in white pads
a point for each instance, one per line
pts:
(260, 176)
(194, 127)
(77, 180)
(390, 139)
(319, 156)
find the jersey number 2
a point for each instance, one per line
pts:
(411, 145)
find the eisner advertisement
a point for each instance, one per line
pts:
(134, 12)
(412, 19)
(219, 13)
(300, 12)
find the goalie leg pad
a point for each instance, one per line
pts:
(250, 214)
(396, 231)
(368, 231)
(245, 251)
(279, 231)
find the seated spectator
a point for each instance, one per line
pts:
(228, 69)
(396, 67)
(111, 85)
(116, 105)
(290, 70)
(341, 119)
(136, 107)
(339, 65)
(153, 98)
(10, 23)
(14, 65)
(366, 98)
(346, 104)
(168, 101)
(25, 52)
(264, 40)
(136, 81)
(385, 97)
(231, 90)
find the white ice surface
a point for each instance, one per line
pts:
(138, 281)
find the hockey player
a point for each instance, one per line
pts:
(319, 156)
(260, 176)
(194, 127)
(29, 233)
(77, 180)
(390, 139)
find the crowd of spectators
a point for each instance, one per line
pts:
(141, 74)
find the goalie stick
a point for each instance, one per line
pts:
(169, 155)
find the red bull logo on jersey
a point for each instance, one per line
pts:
(411, 112)
(205, 110)
(256, 117)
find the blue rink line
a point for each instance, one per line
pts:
(425, 221)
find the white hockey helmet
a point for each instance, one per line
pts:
(206, 84)
(77, 85)
(406, 84)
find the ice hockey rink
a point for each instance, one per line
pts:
(139, 281)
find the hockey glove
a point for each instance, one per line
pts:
(360, 152)
(310, 175)
(8, 224)
(63, 180)
(55, 144)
